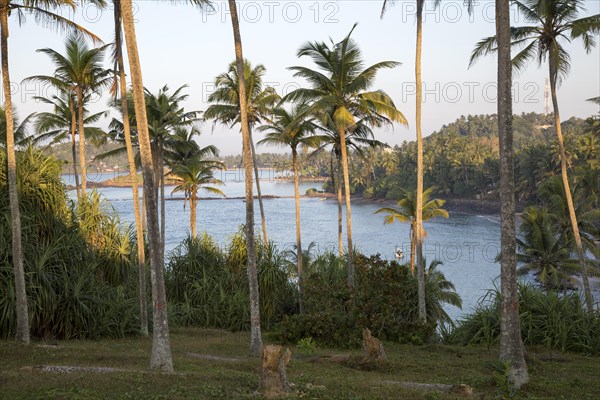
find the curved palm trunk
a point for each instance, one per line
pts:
(255, 334)
(511, 345)
(161, 348)
(193, 204)
(258, 192)
(132, 174)
(350, 250)
(73, 143)
(82, 163)
(340, 210)
(419, 197)
(298, 230)
(565, 178)
(22, 334)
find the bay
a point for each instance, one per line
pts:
(466, 244)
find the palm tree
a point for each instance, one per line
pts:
(338, 93)
(226, 109)
(556, 19)
(192, 176)
(161, 348)
(61, 124)
(78, 71)
(511, 344)
(357, 137)
(292, 129)
(551, 192)
(439, 291)
(193, 171)
(42, 11)
(255, 335)
(543, 251)
(418, 107)
(139, 223)
(21, 135)
(407, 212)
(165, 115)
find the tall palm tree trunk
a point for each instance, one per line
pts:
(511, 345)
(73, 144)
(161, 348)
(161, 171)
(132, 174)
(258, 192)
(82, 162)
(22, 334)
(565, 178)
(255, 334)
(298, 230)
(419, 197)
(340, 208)
(344, 151)
(413, 246)
(193, 215)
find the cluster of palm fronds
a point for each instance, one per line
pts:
(547, 245)
(79, 276)
(550, 319)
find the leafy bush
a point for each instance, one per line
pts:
(384, 300)
(554, 320)
(79, 275)
(208, 287)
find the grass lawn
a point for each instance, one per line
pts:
(553, 375)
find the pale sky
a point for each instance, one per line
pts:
(180, 44)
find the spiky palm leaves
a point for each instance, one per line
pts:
(193, 170)
(88, 294)
(260, 101)
(79, 72)
(555, 20)
(407, 212)
(339, 96)
(544, 252)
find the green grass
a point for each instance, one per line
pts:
(553, 375)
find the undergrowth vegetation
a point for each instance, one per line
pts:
(81, 280)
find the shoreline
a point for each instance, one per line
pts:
(453, 205)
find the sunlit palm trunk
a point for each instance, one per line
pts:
(298, 229)
(511, 345)
(161, 180)
(258, 192)
(413, 246)
(340, 208)
(565, 178)
(82, 162)
(22, 334)
(255, 334)
(133, 176)
(74, 144)
(344, 151)
(419, 197)
(193, 204)
(161, 348)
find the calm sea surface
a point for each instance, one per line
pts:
(466, 244)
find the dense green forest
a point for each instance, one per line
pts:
(462, 159)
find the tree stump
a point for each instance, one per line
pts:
(273, 379)
(373, 347)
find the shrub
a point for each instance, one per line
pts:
(384, 300)
(554, 320)
(79, 275)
